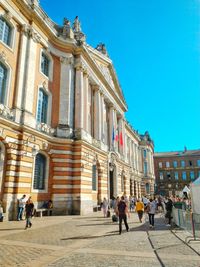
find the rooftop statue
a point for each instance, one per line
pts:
(76, 25)
(66, 28)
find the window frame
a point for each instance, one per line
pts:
(50, 67)
(94, 178)
(8, 81)
(184, 179)
(45, 190)
(49, 105)
(12, 31)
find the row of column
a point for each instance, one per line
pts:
(103, 125)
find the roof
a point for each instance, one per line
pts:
(178, 153)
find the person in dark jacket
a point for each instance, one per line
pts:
(122, 211)
(29, 212)
(169, 206)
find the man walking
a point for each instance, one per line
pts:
(122, 210)
(21, 206)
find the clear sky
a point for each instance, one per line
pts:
(155, 49)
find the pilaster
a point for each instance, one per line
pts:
(79, 97)
(66, 106)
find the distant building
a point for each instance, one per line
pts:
(174, 170)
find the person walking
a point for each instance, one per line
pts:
(122, 211)
(29, 207)
(105, 207)
(139, 209)
(21, 206)
(169, 206)
(151, 212)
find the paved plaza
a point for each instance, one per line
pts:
(94, 241)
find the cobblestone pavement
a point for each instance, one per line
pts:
(93, 241)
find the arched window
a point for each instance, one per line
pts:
(3, 80)
(5, 31)
(94, 177)
(40, 172)
(42, 108)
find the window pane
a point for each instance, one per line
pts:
(176, 175)
(161, 176)
(94, 177)
(3, 78)
(175, 164)
(42, 107)
(167, 164)
(145, 153)
(5, 31)
(39, 173)
(184, 176)
(198, 162)
(192, 175)
(145, 168)
(160, 164)
(182, 163)
(45, 64)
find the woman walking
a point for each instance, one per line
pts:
(140, 209)
(151, 212)
(105, 207)
(29, 212)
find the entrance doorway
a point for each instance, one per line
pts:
(111, 184)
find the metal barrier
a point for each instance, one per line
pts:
(188, 221)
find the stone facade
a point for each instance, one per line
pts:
(89, 149)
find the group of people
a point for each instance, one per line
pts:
(124, 205)
(26, 209)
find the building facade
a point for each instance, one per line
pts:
(63, 133)
(174, 170)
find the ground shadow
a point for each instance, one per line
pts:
(90, 237)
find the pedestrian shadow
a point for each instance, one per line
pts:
(11, 229)
(95, 224)
(89, 237)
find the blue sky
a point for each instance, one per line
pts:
(155, 49)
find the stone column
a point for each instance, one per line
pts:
(86, 108)
(97, 113)
(79, 97)
(26, 79)
(111, 125)
(103, 133)
(66, 106)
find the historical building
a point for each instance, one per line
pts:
(174, 170)
(63, 133)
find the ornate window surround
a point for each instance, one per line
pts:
(48, 55)
(7, 17)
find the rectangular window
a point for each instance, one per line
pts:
(182, 163)
(192, 175)
(94, 177)
(160, 164)
(175, 164)
(5, 31)
(169, 175)
(145, 153)
(184, 177)
(161, 175)
(145, 168)
(42, 107)
(190, 163)
(176, 175)
(45, 64)
(167, 164)
(198, 162)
